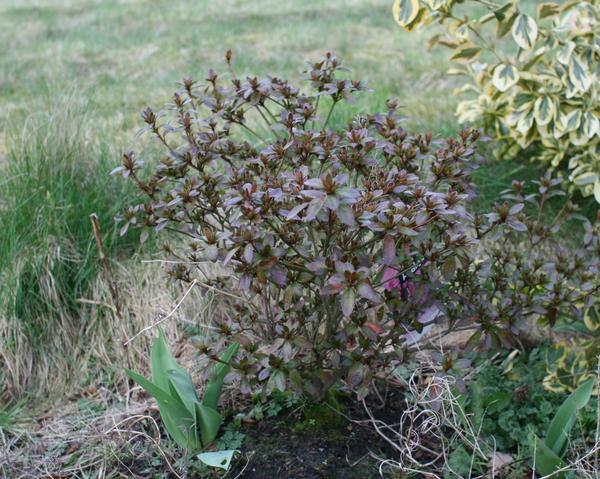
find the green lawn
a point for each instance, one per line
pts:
(126, 54)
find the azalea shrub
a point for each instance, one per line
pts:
(341, 249)
(532, 70)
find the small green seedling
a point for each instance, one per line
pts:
(193, 424)
(549, 453)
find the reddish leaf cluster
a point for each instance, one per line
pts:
(340, 245)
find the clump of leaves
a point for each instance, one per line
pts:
(511, 410)
(538, 90)
(341, 248)
(192, 423)
(273, 405)
(509, 401)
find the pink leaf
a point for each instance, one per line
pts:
(389, 249)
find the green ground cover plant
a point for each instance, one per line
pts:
(509, 400)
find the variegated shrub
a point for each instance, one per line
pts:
(535, 75)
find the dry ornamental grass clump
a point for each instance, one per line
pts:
(342, 247)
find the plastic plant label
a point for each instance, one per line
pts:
(221, 459)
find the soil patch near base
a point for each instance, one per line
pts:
(292, 446)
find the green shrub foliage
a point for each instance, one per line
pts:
(538, 90)
(342, 246)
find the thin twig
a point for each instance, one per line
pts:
(153, 325)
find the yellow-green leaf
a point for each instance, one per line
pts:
(179, 422)
(564, 419)
(505, 15)
(466, 52)
(220, 459)
(405, 11)
(547, 9)
(544, 110)
(524, 31)
(505, 76)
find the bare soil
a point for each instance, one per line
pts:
(292, 446)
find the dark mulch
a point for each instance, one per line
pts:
(285, 447)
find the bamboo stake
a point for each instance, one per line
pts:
(114, 292)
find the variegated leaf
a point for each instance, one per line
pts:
(405, 11)
(572, 91)
(525, 31)
(466, 52)
(422, 18)
(487, 18)
(505, 15)
(569, 121)
(547, 9)
(526, 139)
(544, 110)
(468, 111)
(578, 137)
(590, 124)
(585, 179)
(436, 4)
(513, 118)
(525, 122)
(579, 73)
(505, 76)
(543, 130)
(564, 54)
(523, 101)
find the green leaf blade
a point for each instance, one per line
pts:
(546, 461)
(215, 385)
